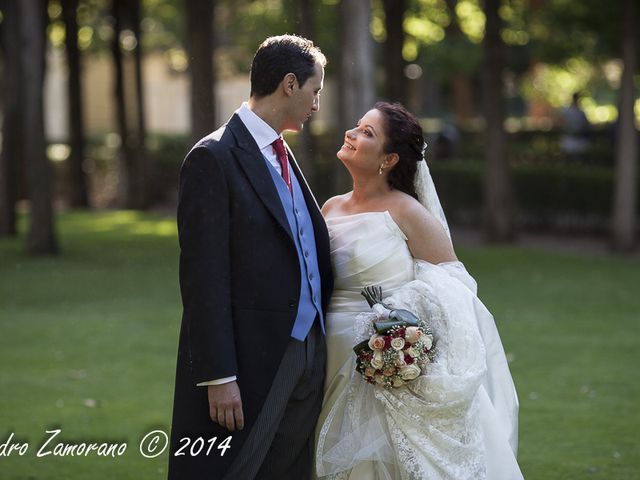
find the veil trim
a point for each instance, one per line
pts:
(427, 194)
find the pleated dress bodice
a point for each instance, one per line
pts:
(366, 249)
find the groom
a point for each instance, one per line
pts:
(255, 279)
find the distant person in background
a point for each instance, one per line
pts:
(447, 141)
(575, 140)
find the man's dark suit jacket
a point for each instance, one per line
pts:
(240, 283)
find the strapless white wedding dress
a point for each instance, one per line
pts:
(456, 421)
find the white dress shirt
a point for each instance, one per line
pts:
(262, 133)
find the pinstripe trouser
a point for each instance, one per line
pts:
(280, 444)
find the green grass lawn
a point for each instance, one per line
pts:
(88, 342)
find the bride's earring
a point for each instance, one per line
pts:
(380, 169)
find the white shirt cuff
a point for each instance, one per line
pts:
(218, 381)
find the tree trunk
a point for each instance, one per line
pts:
(462, 91)
(142, 167)
(200, 42)
(77, 180)
(12, 111)
(134, 166)
(396, 81)
(499, 224)
(357, 92)
(306, 154)
(126, 153)
(40, 236)
(461, 88)
(624, 206)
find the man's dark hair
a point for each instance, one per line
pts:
(277, 56)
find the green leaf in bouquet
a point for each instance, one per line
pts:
(373, 295)
(404, 316)
(383, 327)
(361, 346)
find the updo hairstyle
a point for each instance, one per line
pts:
(403, 137)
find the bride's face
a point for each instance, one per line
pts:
(364, 145)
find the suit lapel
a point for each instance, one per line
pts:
(252, 162)
(312, 204)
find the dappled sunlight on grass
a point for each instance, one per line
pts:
(88, 342)
(161, 229)
(120, 221)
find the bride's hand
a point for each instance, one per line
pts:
(225, 406)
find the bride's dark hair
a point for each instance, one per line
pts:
(404, 137)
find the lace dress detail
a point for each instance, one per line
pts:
(433, 427)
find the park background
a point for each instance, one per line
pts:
(100, 101)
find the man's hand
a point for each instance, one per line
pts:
(225, 406)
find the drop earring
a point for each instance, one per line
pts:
(380, 169)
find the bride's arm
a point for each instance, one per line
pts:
(426, 238)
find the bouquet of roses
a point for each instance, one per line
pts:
(399, 349)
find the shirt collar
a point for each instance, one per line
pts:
(260, 130)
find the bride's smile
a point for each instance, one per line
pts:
(348, 146)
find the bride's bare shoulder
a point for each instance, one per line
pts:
(405, 209)
(412, 217)
(427, 238)
(333, 204)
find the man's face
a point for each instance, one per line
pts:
(305, 100)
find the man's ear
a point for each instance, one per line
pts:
(289, 83)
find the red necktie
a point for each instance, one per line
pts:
(281, 153)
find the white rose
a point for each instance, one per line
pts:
(398, 382)
(409, 372)
(397, 343)
(376, 342)
(369, 371)
(400, 360)
(377, 361)
(428, 341)
(412, 334)
(413, 352)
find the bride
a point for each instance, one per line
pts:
(458, 419)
